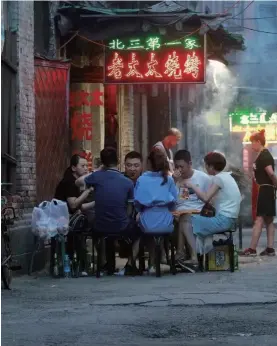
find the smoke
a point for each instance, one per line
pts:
(211, 126)
(219, 95)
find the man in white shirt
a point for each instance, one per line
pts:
(188, 200)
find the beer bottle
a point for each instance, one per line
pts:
(56, 273)
(75, 266)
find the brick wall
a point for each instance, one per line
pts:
(25, 125)
(126, 120)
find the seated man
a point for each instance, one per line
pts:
(112, 192)
(133, 166)
(187, 200)
(133, 170)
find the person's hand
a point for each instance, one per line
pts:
(137, 217)
(176, 175)
(189, 185)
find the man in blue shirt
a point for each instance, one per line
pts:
(112, 192)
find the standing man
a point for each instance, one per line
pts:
(170, 141)
(133, 166)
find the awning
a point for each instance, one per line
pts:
(99, 21)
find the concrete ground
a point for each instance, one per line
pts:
(200, 309)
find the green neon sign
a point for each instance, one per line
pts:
(154, 43)
(251, 118)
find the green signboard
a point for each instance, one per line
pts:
(248, 118)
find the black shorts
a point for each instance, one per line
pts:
(266, 205)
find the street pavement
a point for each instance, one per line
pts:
(200, 309)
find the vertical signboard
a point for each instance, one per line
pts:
(87, 120)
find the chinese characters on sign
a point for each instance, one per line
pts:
(151, 60)
(253, 118)
(81, 125)
(154, 43)
(84, 98)
(249, 122)
(151, 69)
(171, 67)
(192, 65)
(81, 122)
(132, 65)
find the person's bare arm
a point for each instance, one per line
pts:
(204, 196)
(80, 182)
(271, 174)
(87, 206)
(76, 202)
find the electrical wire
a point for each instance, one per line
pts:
(264, 32)
(259, 18)
(71, 38)
(205, 24)
(244, 27)
(241, 12)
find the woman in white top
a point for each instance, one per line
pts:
(225, 196)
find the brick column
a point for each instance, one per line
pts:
(25, 109)
(126, 120)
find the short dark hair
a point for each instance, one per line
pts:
(75, 160)
(183, 155)
(108, 157)
(133, 155)
(216, 160)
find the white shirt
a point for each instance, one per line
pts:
(203, 182)
(227, 200)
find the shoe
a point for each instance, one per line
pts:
(180, 262)
(130, 271)
(179, 256)
(268, 252)
(120, 272)
(191, 261)
(248, 253)
(186, 267)
(151, 270)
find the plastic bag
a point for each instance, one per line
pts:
(50, 218)
(59, 213)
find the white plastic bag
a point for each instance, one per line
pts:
(41, 221)
(59, 213)
(50, 218)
